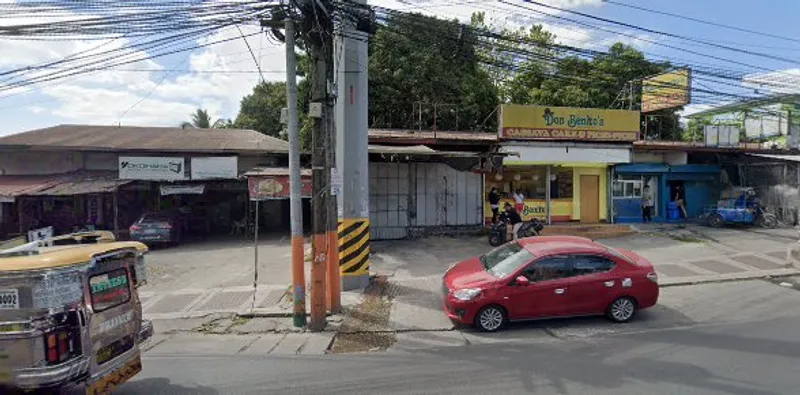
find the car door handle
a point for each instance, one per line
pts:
(560, 291)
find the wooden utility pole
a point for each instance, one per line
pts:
(319, 46)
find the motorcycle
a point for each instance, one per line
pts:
(498, 232)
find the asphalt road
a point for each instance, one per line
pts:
(747, 356)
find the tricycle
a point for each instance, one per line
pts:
(744, 209)
(70, 315)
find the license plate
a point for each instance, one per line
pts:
(116, 378)
(9, 299)
(150, 231)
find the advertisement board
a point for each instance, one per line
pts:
(666, 90)
(214, 168)
(151, 168)
(529, 122)
(274, 187)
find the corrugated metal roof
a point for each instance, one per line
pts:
(13, 186)
(134, 138)
(81, 183)
(415, 150)
(403, 134)
(59, 184)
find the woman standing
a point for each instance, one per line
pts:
(519, 200)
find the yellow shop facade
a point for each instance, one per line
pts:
(559, 159)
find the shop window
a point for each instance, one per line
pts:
(532, 182)
(627, 188)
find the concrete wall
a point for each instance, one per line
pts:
(670, 158)
(33, 163)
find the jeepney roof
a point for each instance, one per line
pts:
(64, 256)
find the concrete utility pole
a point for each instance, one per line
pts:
(334, 282)
(295, 181)
(352, 160)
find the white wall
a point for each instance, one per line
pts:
(564, 153)
(667, 157)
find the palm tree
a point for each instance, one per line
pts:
(202, 120)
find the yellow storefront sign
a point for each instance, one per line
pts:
(568, 123)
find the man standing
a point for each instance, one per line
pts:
(494, 203)
(647, 205)
(514, 221)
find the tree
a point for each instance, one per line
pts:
(261, 110)
(202, 120)
(417, 62)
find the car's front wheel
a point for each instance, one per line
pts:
(490, 318)
(621, 309)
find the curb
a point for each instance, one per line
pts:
(726, 280)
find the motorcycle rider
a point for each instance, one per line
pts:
(514, 220)
(494, 203)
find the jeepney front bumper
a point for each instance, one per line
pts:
(146, 332)
(33, 378)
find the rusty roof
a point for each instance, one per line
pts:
(136, 138)
(76, 183)
(13, 186)
(430, 136)
(81, 183)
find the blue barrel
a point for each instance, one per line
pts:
(673, 212)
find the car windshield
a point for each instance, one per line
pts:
(506, 259)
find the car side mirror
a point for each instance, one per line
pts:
(522, 280)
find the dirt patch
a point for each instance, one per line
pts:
(367, 327)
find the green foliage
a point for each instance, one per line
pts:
(261, 110)
(418, 59)
(202, 120)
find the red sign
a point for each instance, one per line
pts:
(275, 187)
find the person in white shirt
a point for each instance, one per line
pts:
(519, 199)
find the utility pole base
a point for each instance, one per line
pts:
(354, 253)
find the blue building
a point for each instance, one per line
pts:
(662, 175)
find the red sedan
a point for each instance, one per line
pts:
(549, 276)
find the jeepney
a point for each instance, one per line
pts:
(70, 314)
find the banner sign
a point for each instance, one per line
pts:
(40, 234)
(221, 167)
(151, 168)
(275, 187)
(566, 123)
(182, 189)
(666, 90)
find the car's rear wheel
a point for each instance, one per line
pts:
(621, 309)
(715, 220)
(490, 318)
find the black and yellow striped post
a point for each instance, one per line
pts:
(354, 252)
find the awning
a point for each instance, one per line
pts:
(80, 184)
(788, 158)
(565, 154)
(13, 186)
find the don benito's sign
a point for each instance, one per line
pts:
(528, 122)
(151, 168)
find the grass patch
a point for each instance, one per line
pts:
(367, 327)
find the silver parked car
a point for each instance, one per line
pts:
(154, 228)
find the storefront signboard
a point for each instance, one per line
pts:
(182, 189)
(560, 209)
(667, 90)
(151, 168)
(275, 187)
(528, 122)
(214, 168)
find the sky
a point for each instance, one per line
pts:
(165, 91)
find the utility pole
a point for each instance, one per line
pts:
(319, 46)
(352, 158)
(295, 181)
(334, 282)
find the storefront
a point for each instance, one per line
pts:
(699, 184)
(559, 159)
